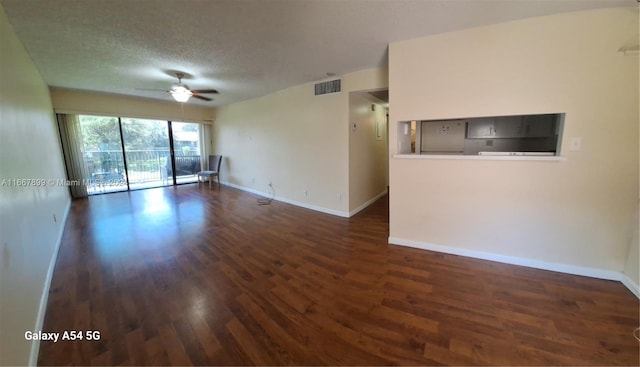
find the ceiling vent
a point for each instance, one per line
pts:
(331, 86)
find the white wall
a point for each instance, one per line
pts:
(295, 140)
(29, 148)
(368, 156)
(89, 103)
(577, 212)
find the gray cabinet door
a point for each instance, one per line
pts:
(481, 128)
(532, 126)
(495, 127)
(537, 126)
(508, 127)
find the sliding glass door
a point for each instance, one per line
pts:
(128, 153)
(186, 147)
(147, 152)
(102, 152)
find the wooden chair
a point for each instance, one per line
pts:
(213, 170)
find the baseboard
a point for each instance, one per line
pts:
(630, 284)
(367, 203)
(44, 298)
(537, 264)
(289, 201)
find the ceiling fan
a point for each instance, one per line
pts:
(181, 92)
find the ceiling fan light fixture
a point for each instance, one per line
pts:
(181, 94)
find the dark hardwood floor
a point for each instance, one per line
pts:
(188, 275)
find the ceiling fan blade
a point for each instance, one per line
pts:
(205, 91)
(155, 90)
(202, 97)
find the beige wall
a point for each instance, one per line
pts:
(368, 156)
(88, 103)
(29, 148)
(577, 212)
(295, 140)
(632, 266)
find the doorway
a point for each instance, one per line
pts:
(368, 147)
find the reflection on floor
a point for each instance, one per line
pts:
(121, 185)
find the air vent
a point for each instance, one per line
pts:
(331, 86)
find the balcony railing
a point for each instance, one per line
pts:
(145, 168)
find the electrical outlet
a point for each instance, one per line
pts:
(339, 197)
(306, 193)
(253, 180)
(55, 220)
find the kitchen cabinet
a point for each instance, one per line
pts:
(508, 127)
(496, 127)
(539, 126)
(503, 127)
(480, 128)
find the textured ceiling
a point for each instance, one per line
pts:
(243, 48)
